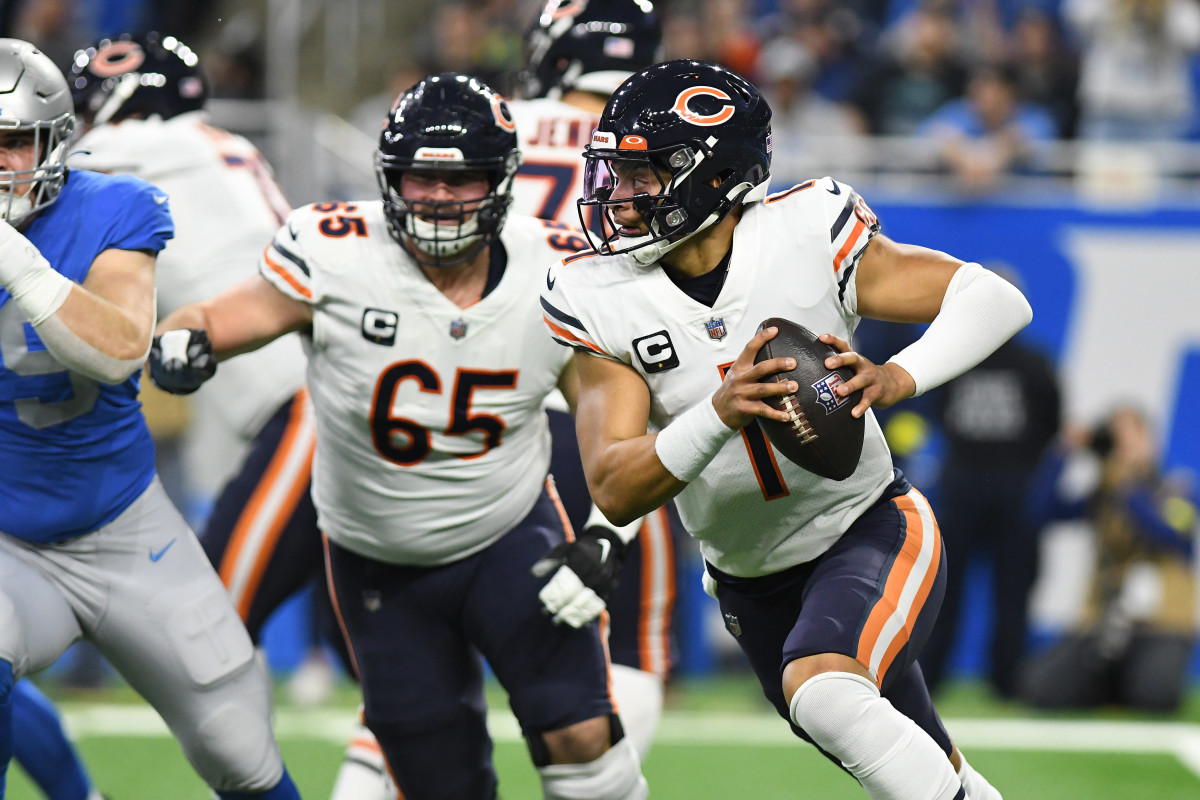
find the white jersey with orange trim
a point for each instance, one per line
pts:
(226, 207)
(552, 135)
(431, 440)
(794, 256)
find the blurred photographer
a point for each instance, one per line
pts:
(1139, 626)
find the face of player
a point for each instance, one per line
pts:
(631, 178)
(17, 153)
(443, 197)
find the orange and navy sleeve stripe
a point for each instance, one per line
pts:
(849, 236)
(569, 331)
(287, 271)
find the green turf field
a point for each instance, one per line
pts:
(716, 741)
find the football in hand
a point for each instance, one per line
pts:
(822, 435)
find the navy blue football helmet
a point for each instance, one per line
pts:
(447, 122)
(590, 45)
(142, 74)
(704, 131)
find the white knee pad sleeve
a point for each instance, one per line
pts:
(890, 755)
(616, 775)
(639, 697)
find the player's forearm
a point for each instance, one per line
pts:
(243, 318)
(980, 312)
(226, 342)
(629, 481)
(114, 331)
(190, 317)
(96, 338)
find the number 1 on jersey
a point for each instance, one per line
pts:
(762, 457)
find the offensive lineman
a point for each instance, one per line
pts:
(579, 52)
(90, 546)
(427, 368)
(829, 587)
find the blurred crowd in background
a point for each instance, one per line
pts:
(1115, 69)
(986, 82)
(991, 83)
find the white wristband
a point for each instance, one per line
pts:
(687, 445)
(624, 532)
(979, 312)
(35, 287)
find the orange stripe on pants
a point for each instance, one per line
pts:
(270, 508)
(891, 621)
(657, 593)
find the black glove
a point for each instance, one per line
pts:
(585, 574)
(181, 360)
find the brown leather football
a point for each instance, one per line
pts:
(822, 436)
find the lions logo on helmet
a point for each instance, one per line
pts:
(456, 123)
(704, 132)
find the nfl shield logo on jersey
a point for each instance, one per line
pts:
(735, 627)
(458, 329)
(716, 329)
(825, 395)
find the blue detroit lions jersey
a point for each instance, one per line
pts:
(75, 452)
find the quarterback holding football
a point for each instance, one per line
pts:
(831, 585)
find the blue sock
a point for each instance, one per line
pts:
(6, 721)
(43, 749)
(284, 790)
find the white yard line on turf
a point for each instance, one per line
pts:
(1177, 738)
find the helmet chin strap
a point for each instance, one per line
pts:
(748, 193)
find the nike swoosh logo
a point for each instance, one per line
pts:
(156, 556)
(292, 231)
(836, 189)
(605, 546)
(160, 198)
(550, 281)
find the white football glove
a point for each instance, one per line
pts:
(585, 574)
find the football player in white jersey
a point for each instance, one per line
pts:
(579, 52)
(829, 587)
(427, 367)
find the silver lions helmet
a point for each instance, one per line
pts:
(34, 98)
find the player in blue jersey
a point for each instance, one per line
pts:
(90, 546)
